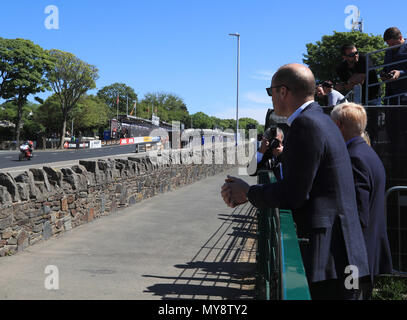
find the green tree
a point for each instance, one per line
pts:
(23, 68)
(49, 115)
(70, 79)
(202, 121)
(109, 95)
(6, 65)
(90, 113)
(168, 107)
(324, 56)
(247, 124)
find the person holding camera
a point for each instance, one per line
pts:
(393, 37)
(269, 153)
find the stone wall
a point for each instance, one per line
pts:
(41, 203)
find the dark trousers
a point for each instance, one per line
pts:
(333, 289)
(366, 288)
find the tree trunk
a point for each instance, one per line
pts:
(19, 116)
(61, 144)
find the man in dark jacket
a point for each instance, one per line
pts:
(317, 174)
(370, 183)
(395, 87)
(352, 71)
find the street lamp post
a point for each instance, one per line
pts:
(237, 90)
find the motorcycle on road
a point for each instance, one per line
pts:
(25, 152)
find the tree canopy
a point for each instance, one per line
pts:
(167, 106)
(70, 79)
(109, 95)
(23, 70)
(90, 113)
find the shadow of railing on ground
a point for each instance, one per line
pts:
(224, 266)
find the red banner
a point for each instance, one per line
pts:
(127, 141)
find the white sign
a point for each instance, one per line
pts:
(94, 144)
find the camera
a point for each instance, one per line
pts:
(270, 135)
(386, 74)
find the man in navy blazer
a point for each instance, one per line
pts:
(317, 176)
(370, 184)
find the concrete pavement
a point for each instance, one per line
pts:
(184, 244)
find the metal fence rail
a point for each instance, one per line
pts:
(280, 272)
(397, 245)
(368, 69)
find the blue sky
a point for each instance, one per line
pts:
(183, 47)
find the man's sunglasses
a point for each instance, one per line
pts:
(270, 90)
(351, 55)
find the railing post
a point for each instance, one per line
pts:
(367, 80)
(388, 192)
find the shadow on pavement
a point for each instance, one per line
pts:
(224, 266)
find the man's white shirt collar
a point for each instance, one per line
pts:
(297, 112)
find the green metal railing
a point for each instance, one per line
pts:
(280, 272)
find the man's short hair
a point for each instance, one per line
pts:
(328, 84)
(392, 33)
(301, 84)
(346, 47)
(352, 116)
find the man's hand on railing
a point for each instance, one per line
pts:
(234, 191)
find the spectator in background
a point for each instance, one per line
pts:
(370, 182)
(393, 37)
(269, 154)
(320, 95)
(352, 71)
(334, 97)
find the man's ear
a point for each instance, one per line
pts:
(283, 91)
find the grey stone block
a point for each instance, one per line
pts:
(41, 176)
(5, 196)
(23, 191)
(47, 230)
(6, 222)
(8, 181)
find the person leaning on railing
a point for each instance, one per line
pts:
(370, 182)
(393, 37)
(352, 71)
(315, 187)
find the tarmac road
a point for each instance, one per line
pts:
(9, 159)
